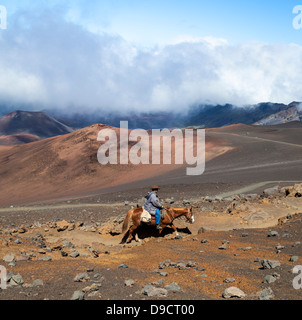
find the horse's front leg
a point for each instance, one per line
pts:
(175, 230)
(163, 226)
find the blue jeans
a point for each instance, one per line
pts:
(157, 216)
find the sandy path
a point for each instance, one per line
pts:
(261, 139)
(62, 206)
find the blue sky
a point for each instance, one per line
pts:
(150, 22)
(125, 54)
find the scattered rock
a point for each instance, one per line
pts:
(78, 295)
(164, 264)
(22, 229)
(296, 243)
(96, 253)
(67, 244)
(286, 235)
(38, 240)
(151, 291)
(269, 279)
(74, 254)
(273, 234)
(191, 264)
(129, 283)
(92, 288)
(233, 292)
(62, 225)
(122, 266)
(64, 253)
(204, 241)
(16, 280)
(270, 264)
(160, 282)
(279, 247)
(199, 269)
(294, 258)
(148, 288)
(181, 265)
(229, 280)
(173, 287)
(80, 277)
(23, 257)
(271, 191)
(9, 257)
(37, 283)
(48, 258)
(265, 294)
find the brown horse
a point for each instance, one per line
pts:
(170, 214)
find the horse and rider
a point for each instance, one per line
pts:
(153, 207)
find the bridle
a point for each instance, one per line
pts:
(171, 213)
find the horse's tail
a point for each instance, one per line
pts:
(126, 221)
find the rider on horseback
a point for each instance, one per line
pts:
(153, 206)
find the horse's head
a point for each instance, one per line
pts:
(189, 214)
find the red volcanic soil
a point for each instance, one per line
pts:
(67, 165)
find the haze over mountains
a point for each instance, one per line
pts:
(52, 122)
(204, 116)
(19, 127)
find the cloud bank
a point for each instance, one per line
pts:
(54, 63)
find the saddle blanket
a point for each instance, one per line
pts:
(146, 216)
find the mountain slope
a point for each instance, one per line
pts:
(288, 115)
(33, 123)
(67, 165)
(15, 139)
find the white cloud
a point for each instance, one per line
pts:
(210, 41)
(60, 64)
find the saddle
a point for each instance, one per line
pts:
(146, 216)
(149, 219)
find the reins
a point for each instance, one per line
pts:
(170, 212)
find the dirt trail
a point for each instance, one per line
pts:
(259, 139)
(61, 206)
(253, 187)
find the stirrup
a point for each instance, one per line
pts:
(158, 227)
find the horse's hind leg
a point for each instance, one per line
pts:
(131, 231)
(137, 239)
